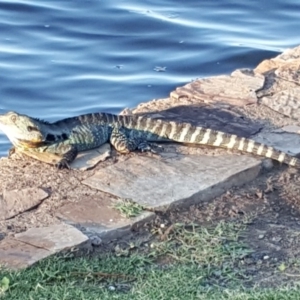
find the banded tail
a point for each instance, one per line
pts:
(160, 130)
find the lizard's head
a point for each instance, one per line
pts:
(23, 131)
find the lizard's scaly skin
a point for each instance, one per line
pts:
(66, 137)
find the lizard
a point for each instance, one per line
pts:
(59, 142)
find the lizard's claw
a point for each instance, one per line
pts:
(149, 148)
(63, 164)
(145, 147)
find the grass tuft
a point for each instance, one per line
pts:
(128, 208)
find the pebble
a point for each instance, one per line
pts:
(111, 288)
(95, 240)
(276, 239)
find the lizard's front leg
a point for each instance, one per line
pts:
(66, 153)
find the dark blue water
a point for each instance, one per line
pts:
(61, 58)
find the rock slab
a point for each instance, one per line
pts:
(281, 90)
(161, 183)
(286, 139)
(89, 159)
(14, 202)
(99, 219)
(28, 247)
(237, 89)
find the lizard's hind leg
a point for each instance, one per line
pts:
(125, 144)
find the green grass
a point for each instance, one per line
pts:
(181, 263)
(128, 208)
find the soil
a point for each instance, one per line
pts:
(271, 206)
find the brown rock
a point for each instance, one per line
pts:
(90, 211)
(37, 243)
(267, 66)
(17, 255)
(98, 217)
(281, 89)
(84, 161)
(52, 238)
(236, 89)
(289, 72)
(286, 59)
(15, 202)
(286, 102)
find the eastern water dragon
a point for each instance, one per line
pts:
(59, 142)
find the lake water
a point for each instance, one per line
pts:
(62, 58)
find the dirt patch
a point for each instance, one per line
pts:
(270, 209)
(64, 187)
(270, 205)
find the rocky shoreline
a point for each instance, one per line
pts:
(44, 211)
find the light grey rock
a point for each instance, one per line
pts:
(89, 159)
(281, 140)
(159, 184)
(291, 129)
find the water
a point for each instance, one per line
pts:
(62, 58)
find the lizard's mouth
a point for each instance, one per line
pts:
(31, 143)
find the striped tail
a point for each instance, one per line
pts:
(160, 130)
(205, 136)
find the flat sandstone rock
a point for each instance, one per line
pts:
(281, 89)
(284, 139)
(28, 247)
(89, 159)
(15, 202)
(160, 183)
(99, 220)
(286, 102)
(238, 88)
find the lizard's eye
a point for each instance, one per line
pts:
(31, 128)
(13, 118)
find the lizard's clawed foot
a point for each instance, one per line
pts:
(144, 147)
(62, 164)
(150, 148)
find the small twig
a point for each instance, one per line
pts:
(292, 275)
(166, 233)
(101, 274)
